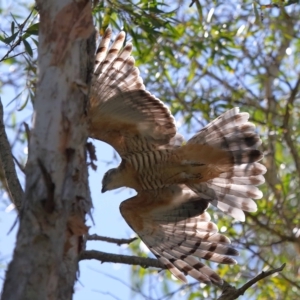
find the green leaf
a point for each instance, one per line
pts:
(9, 39)
(24, 104)
(35, 41)
(256, 13)
(12, 27)
(28, 48)
(33, 29)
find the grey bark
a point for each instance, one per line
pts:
(57, 196)
(8, 172)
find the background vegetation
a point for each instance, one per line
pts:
(201, 58)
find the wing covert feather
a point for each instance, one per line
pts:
(132, 122)
(122, 113)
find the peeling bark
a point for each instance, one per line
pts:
(57, 197)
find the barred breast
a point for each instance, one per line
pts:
(150, 167)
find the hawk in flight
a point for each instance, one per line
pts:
(175, 182)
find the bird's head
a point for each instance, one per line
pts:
(111, 180)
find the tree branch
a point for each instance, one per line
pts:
(231, 293)
(6, 159)
(119, 242)
(123, 259)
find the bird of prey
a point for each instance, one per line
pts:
(175, 182)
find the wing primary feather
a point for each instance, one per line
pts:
(177, 242)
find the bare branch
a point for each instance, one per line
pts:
(96, 237)
(123, 259)
(290, 104)
(6, 159)
(231, 293)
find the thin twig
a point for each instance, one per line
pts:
(290, 104)
(19, 40)
(18, 164)
(266, 262)
(136, 288)
(230, 293)
(287, 127)
(6, 158)
(96, 237)
(192, 3)
(18, 54)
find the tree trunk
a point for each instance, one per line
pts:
(57, 197)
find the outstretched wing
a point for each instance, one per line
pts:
(174, 225)
(232, 190)
(122, 113)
